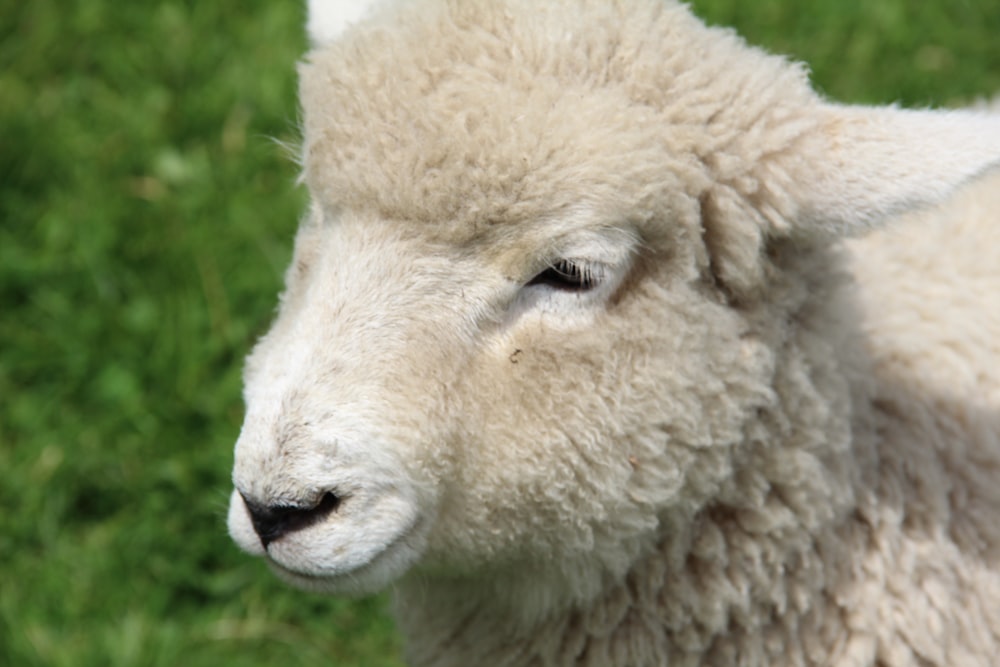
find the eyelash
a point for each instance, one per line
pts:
(568, 275)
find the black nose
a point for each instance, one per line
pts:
(271, 522)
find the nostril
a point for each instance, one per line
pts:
(272, 522)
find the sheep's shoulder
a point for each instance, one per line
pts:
(928, 286)
(931, 308)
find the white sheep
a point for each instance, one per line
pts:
(572, 354)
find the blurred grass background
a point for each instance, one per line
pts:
(146, 215)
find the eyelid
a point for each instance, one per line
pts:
(571, 274)
(605, 252)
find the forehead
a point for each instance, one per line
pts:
(466, 114)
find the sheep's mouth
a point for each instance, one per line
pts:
(385, 566)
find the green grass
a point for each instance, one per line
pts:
(146, 214)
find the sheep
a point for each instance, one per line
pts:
(607, 341)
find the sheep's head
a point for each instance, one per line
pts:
(538, 299)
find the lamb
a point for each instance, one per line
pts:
(608, 342)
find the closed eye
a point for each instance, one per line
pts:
(569, 275)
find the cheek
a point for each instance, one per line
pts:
(565, 436)
(542, 446)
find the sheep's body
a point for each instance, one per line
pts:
(738, 443)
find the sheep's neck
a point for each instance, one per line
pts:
(710, 611)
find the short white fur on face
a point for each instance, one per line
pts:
(568, 352)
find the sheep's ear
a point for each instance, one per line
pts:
(328, 18)
(865, 165)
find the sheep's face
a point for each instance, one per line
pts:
(501, 345)
(529, 395)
